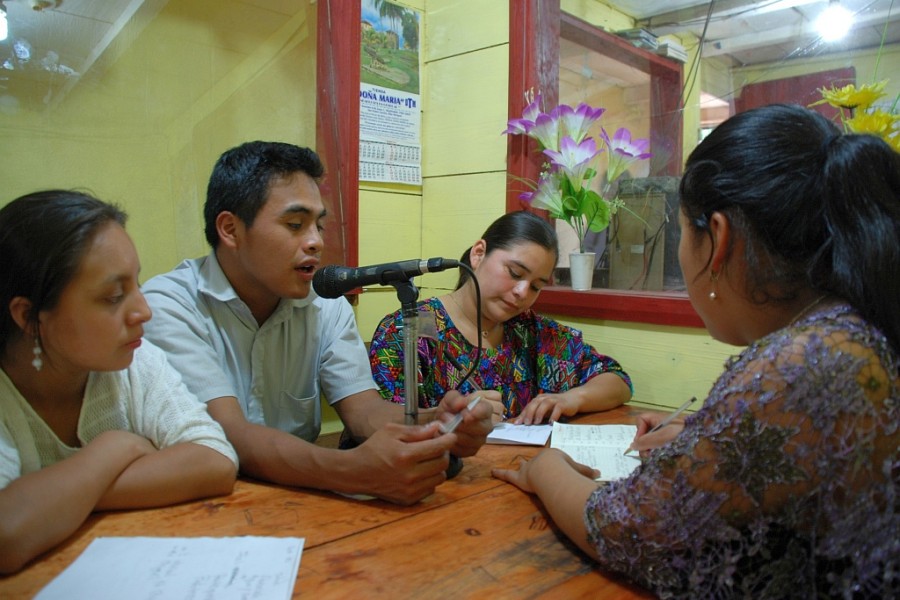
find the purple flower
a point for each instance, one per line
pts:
(545, 131)
(577, 122)
(574, 158)
(548, 195)
(623, 151)
(529, 116)
(518, 126)
(565, 186)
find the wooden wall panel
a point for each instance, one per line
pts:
(667, 365)
(458, 27)
(465, 111)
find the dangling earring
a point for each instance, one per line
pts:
(713, 278)
(37, 363)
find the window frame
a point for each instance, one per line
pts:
(535, 27)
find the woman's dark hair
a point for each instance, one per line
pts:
(511, 230)
(241, 178)
(817, 208)
(43, 237)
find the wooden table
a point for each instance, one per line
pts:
(476, 536)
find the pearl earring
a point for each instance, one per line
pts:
(37, 362)
(713, 278)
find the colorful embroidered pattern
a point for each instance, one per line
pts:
(537, 355)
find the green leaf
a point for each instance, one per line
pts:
(597, 212)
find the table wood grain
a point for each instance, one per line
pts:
(475, 537)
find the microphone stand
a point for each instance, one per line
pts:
(408, 294)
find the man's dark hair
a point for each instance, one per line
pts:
(242, 176)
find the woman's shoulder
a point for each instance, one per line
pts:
(839, 328)
(833, 345)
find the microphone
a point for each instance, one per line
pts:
(334, 281)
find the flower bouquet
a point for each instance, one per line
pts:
(564, 187)
(858, 113)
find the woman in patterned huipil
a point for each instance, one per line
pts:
(543, 369)
(786, 483)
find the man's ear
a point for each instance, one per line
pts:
(20, 311)
(229, 227)
(720, 230)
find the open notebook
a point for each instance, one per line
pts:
(599, 446)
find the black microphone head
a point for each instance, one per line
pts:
(325, 282)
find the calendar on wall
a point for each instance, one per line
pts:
(390, 114)
(382, 161)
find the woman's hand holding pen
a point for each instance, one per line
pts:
(657, 429)
(644, 440)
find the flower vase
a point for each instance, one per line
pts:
(581, 269)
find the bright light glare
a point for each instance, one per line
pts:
(4, 27)
(834, 22)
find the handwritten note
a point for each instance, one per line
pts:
(598, 446)
(519, 435)
(154, 568)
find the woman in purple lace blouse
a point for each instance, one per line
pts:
(786, 483)
(542, 369)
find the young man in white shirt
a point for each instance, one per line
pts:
(252, 342)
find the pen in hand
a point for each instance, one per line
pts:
(667, 420)
(451, 425)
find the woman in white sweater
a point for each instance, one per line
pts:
(91, 416)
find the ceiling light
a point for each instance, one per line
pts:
(4, 26)
(834, 22)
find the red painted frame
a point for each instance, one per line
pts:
(534, 30)
(337, 125)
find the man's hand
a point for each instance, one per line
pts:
(477, 423)
(403, 464)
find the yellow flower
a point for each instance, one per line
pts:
(851, 98)
(876, 122)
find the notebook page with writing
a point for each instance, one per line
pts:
(599, 446)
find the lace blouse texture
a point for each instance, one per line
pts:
(537, 355)
(786, 484)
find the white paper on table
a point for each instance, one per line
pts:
(599, 446)
(143, 568)
(520, 435)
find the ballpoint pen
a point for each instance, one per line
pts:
(453, 423)
(667, 420)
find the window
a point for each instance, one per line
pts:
(636, 275)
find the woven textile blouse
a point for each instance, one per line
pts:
(537, 355)
(786, 484)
